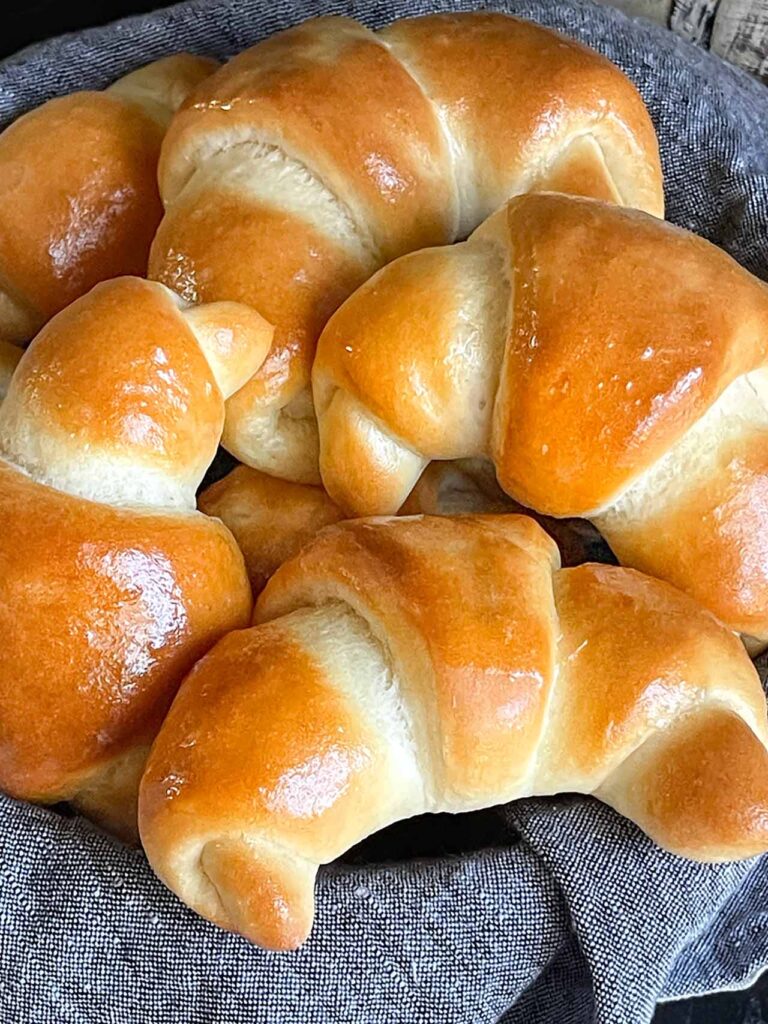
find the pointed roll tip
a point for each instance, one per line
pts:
(163, 85)
(268, 898)
(242, 882)
(364, 470)
(244, 888)
(701, 792)
(235, 340)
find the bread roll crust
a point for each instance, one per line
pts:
(73, 380)
(396, 576)
(103, 611)
(79, 201)
(404, 665)
(73, 229)
(270, 519)
(620, 340)
(293, 91)
(609, 364)
(111, 584)
(148, 431)
(451, 115)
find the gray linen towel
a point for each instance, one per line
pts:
(568, 914)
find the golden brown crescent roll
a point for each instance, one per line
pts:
(327, 150)
(422, 664)
(111, 584)
(79, 201)
(611, 365)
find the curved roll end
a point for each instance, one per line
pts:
(269, 763)
(699, 789)
(364, 469)
(267, 897)
(162, 86)
(109, 797)
(260, 892)
(235, 340)
(150, 429)
(267, 433)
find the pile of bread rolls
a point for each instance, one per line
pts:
(418, 276)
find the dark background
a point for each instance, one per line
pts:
(21, 25)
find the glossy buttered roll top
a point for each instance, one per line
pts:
(611, 365)
(79, 201)
(111, 585)
(327, 150)
(444, 664)
(120, 398)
